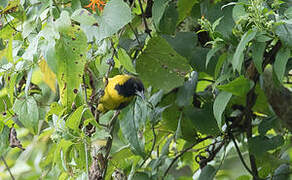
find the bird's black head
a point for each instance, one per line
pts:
(133, 86)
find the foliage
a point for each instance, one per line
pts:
(212, 108)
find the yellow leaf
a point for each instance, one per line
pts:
(49, 76)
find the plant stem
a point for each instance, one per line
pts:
(147, 30)
(8, 169)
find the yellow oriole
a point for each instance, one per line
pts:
(119, 92)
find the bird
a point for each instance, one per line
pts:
(119, 92)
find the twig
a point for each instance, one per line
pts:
(11, 25)
(184, 151)
(153, 145)
(109, 142)
(212, 153)
(8, 169)
(136, 35)
(237, 148)
(147, 30)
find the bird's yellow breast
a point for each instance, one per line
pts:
(111, 98)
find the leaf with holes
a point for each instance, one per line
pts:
(70, 52)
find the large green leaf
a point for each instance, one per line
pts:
(238, 87)
(280, 62)
(238, 55)
(159, 60)
(28, 113)
(70, 52)
(220, 104)
(129, 122)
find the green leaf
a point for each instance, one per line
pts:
(220, 104)
(70, 52)
(61, 156)
(184, 8)
(126, 61)
(28, 113)
(219, 64)
(238, 87)
(83, 17)
(280, 62)
(4, 138)
(227, 23)
(212, 52)
(116, 15)
(207, 173)
(158, 9)
(203, 119)
(238, 55)
(186, 92)
(198, 61)
(74, 119)
(258, 49)
(258, 145)
(159, 60)
(284, 31)
(169, 19)
(130, 128)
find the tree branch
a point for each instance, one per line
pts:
(109, 141)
